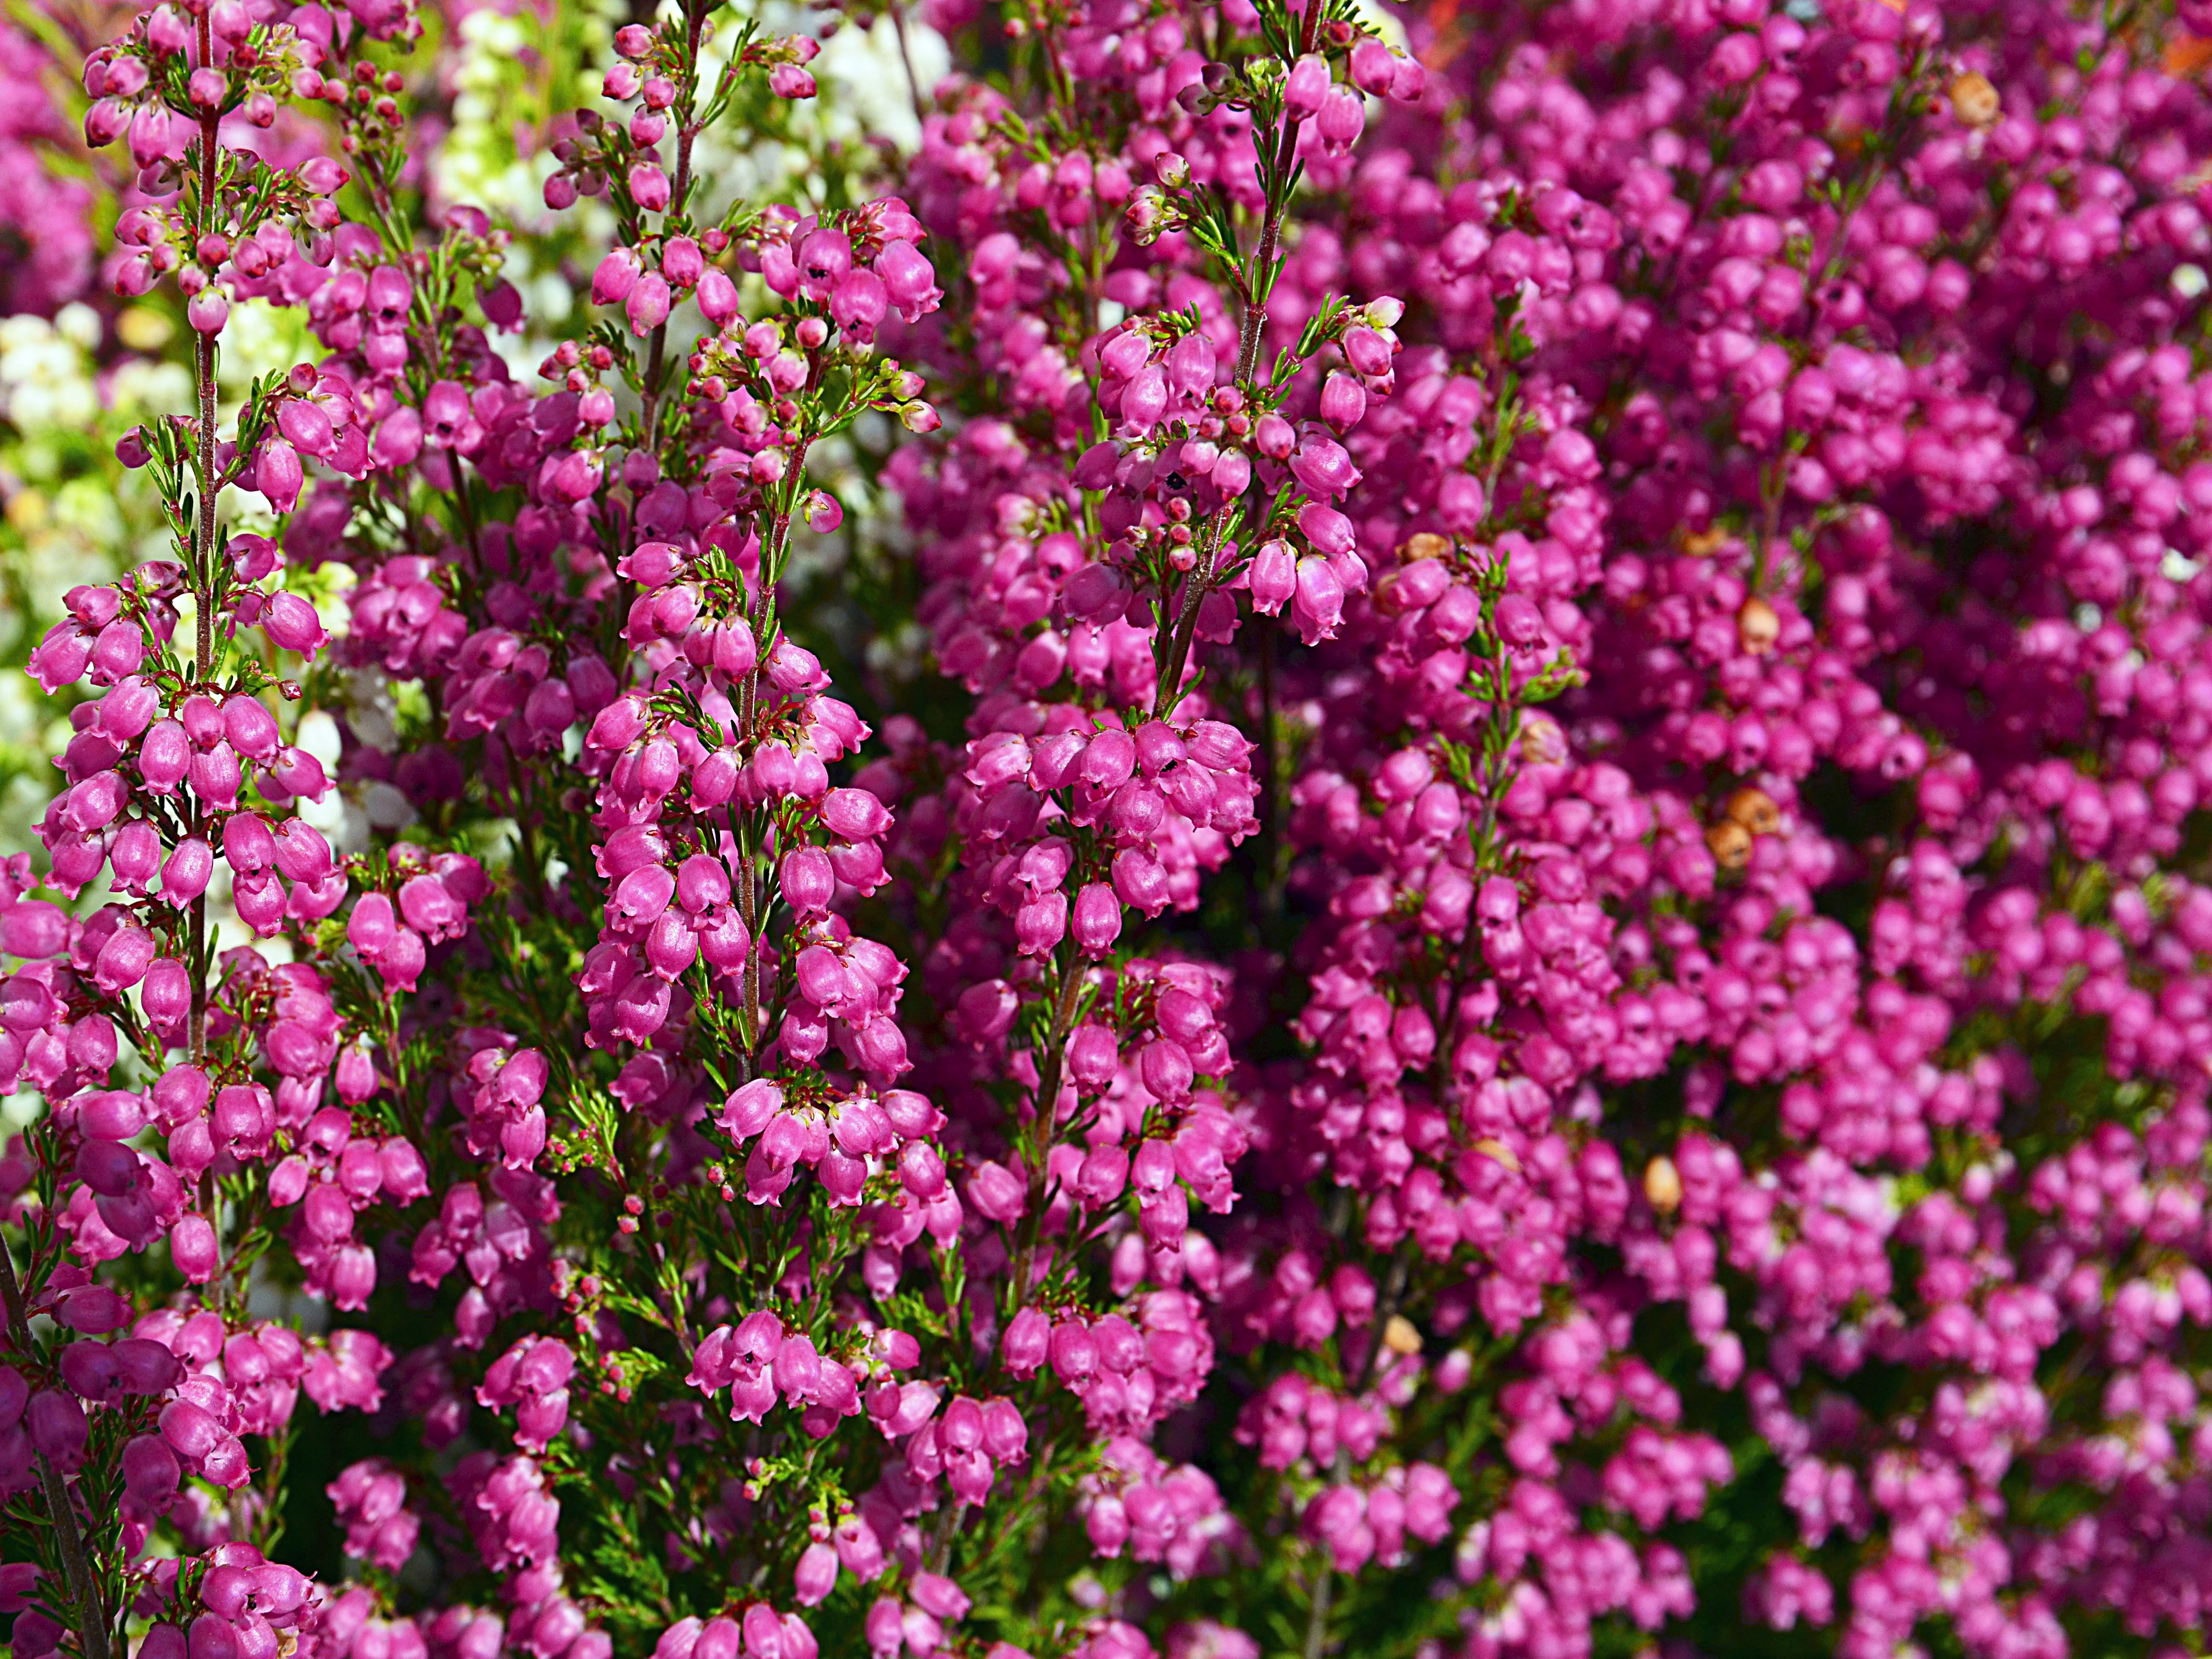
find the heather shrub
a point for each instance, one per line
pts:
(1111, 830)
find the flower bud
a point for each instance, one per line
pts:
(208, 310)
(1144, 399)
(816, 1576)
(614, 277)
(648, 303)
(1093, 1058)
(1343, 401)
(184, 875)
(291, 624)
(649, 187)
(858, 302)
(1074, 1353)
(57, 1427)
(278, 475)
(1023, 1348)
(1140, 882)
(166, 992)
(1103, 1175)
(807, 880)
(749, 1108)
(998, 1194)
(718, 297)
(1097, 920)
(1374, 67)
(1305, 86)
(150, 1471)
(920, 1170)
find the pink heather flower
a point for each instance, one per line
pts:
(807, 880)
(997, 1193)
(616, 276)
(647, 306)
(277, 474)
(153, 134)
(292, 624)
(909, 282)
(718, 297)
(858, 303)
(1319, 604)
(1305, 86)
(1343, 401)
(822, 259)
(816, 1575)
(1144, 399)
(649, 187)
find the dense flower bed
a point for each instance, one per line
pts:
(1297, 833)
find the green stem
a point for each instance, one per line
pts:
(1047, 1098)
(1254, 285)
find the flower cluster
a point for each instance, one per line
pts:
(1351, 834)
